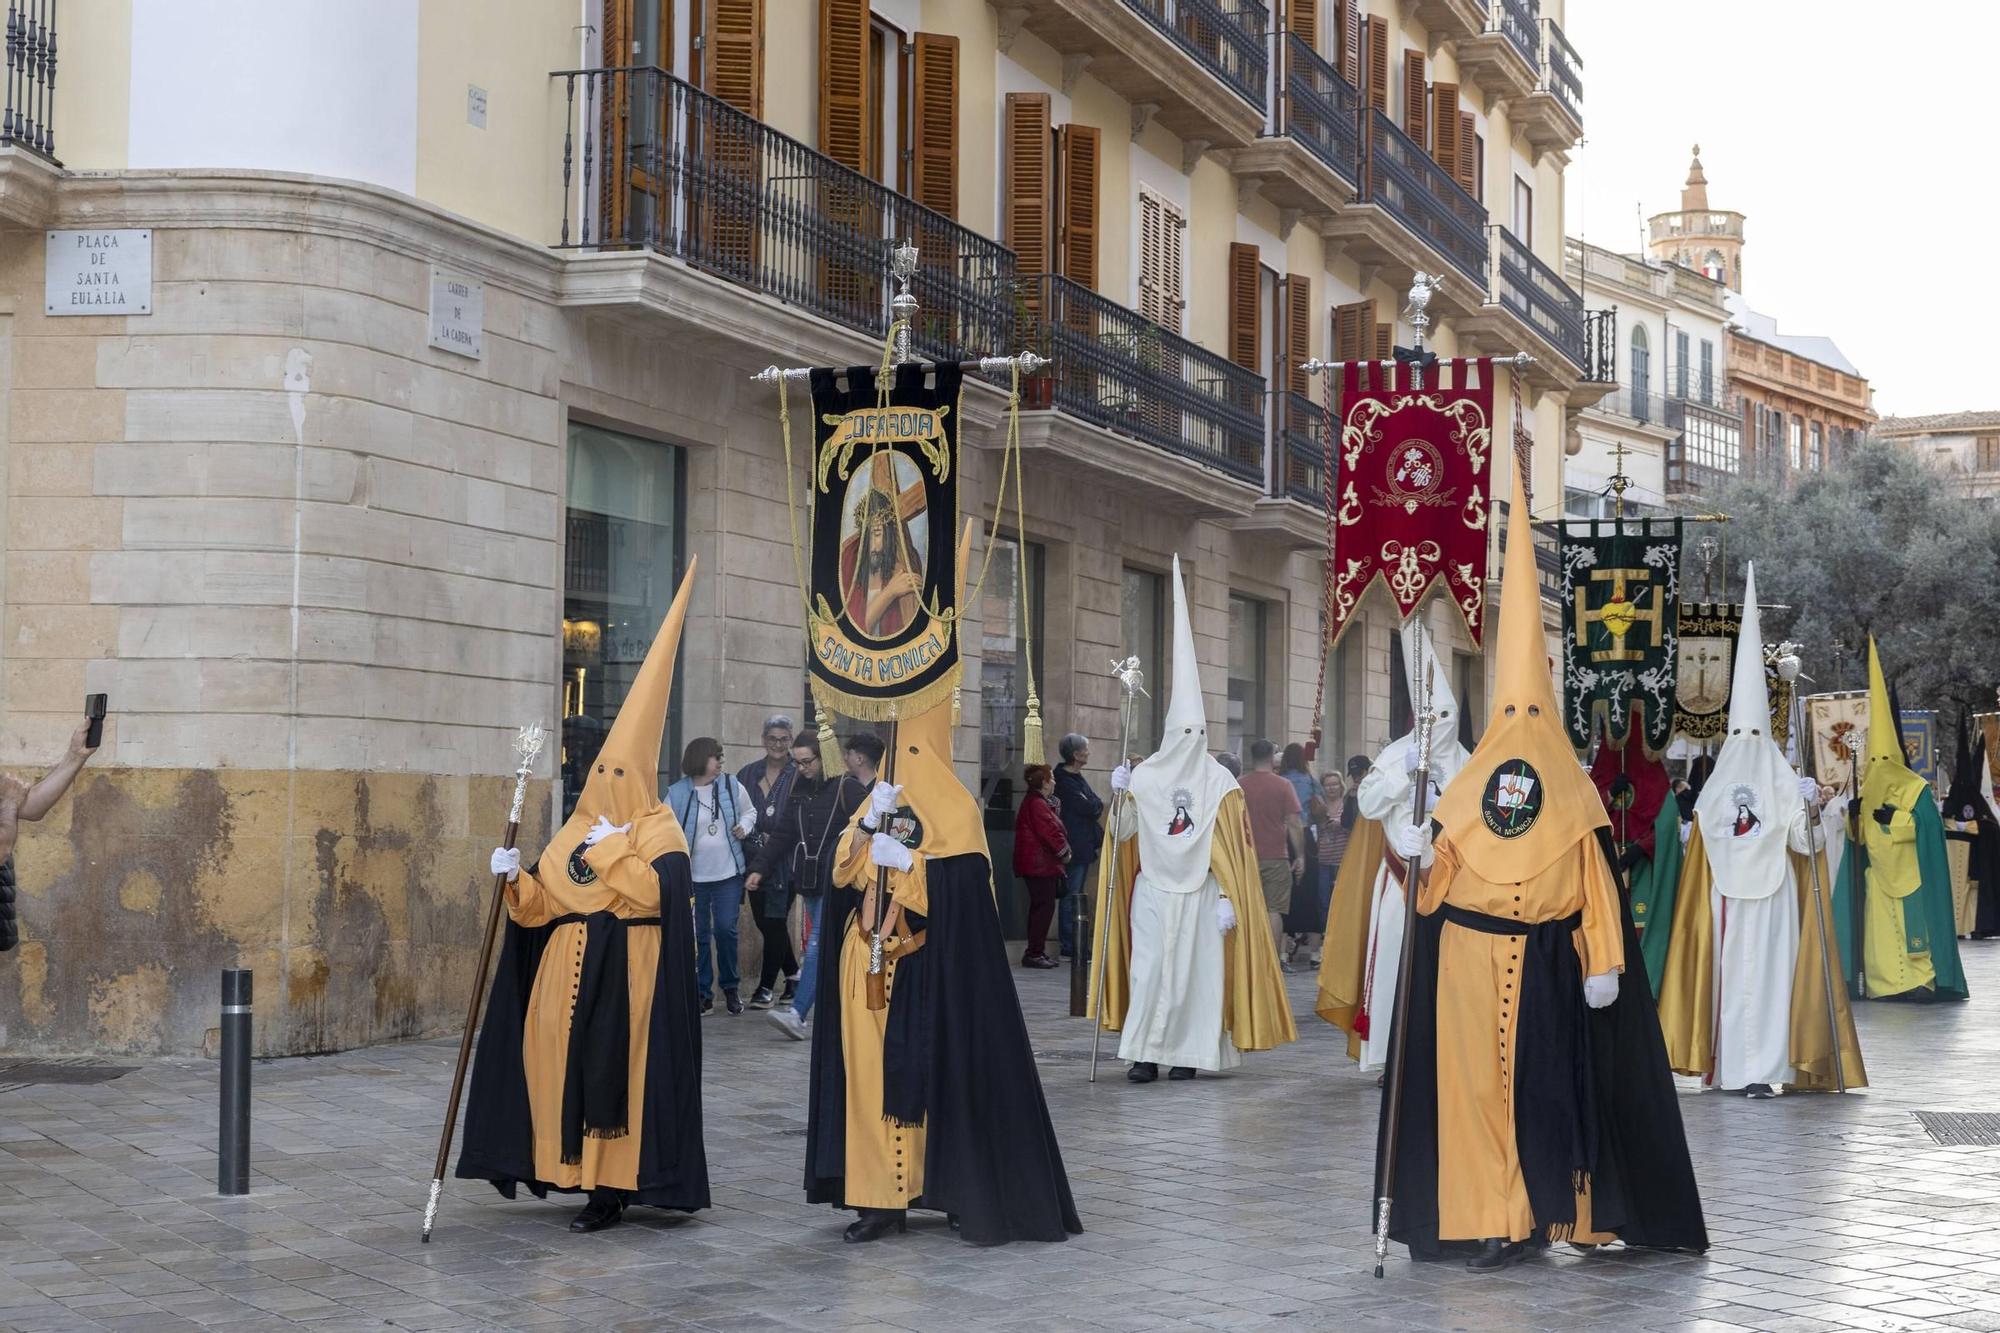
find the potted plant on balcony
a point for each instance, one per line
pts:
(1032, 334)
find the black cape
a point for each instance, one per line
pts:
(956, 1056)
(1642, 1179)
(499, 1134)
(1967, 800)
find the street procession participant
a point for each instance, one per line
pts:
(1909, 949)
(1646, 835)
(1743, 1005)
(588, 1075)
(923, 1090)
(1191, 977)
(1535, 1098)
(1365, 949)
(1972, 839)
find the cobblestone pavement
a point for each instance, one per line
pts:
(1234, 1202)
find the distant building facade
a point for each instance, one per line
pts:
(1963, 445)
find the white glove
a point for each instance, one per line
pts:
(1410, 759)
(1809, 791)
(885, 851)
(1413, 843)
(1600, 990)
(883, 801)
(506, 861)
(1225, 916)
(603, 829)
(1121, 778)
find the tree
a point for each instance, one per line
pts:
(1881, 544)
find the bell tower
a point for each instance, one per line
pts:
(1707, 240)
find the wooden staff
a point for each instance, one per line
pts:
(527, 744)
(1130, 677)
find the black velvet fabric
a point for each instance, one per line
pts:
(498, 1145)
(957, 1049)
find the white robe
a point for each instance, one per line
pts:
(1756, 953)
(1174, 1016)
(1384, 795)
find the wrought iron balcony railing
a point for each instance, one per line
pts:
(651, 162)
(1601, 334)
(1537, 294)
(26, 118)
(1300, 464)
(1402, 178)
(1562, 70)
(1322, 110)
(1517, 19)
(1227, 41)
(1115, 368)
(1640, 404)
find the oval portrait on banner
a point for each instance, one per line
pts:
(884, 532)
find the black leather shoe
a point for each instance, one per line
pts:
(1494, 1255)
(875, 1223)
(1145, 1071)
(1181, 1073)
(733, 1001)
(605, 1209)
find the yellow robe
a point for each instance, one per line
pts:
(1343, 963)
(1481, 1192)
(1256, 1012)
(1893, 875)
(1964, 889)
(1687, 988)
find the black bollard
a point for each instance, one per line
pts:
(232, 1148)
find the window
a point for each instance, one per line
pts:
(1680, 365)
(1161, 230)
(1712, 440)
(1524, 212)
(1816, 460)
(1003, 684)
(1402, 713)
(1479, 167)
(1988, 453)
(1143, 611)
(888, 91)
(1712, 267)
(1641, 374)
(1346, 731)
(1798, 443)
(1248, 621)
(1470, 686)
(1706, 387)
(621, 565)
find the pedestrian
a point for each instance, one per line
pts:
(1083, 825)
(1330, 832)
(1277, 826)
(1231, 763)
(1041, 858)
(769, 782)
(19, 801)
(804, 842)
(718, 815)
(1306, 919)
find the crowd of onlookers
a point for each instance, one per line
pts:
(769, 834)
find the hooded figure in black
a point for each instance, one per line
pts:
(924, 1090)
(1972, 839)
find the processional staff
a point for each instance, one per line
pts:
(1829, 946)
(1132, 681)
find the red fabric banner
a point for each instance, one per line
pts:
(1413, 473)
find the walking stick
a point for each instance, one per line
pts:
(1822, 911)
(878, 976)
(1385, 1149)
(527, 744)
(1132, 680)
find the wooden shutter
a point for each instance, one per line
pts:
(614, 202)
(1303, 20)
(1243, 305)
(934, 116)
(735, 53)
(1077, 149)
(1378, 64)
(843, 82)
(1468, 154)
(1445, 125)
(1385, 341)
(1027, 205)
(1298, 332)
(1173, 263)
(1351, 331)
(1415, 97)
(1347, 40)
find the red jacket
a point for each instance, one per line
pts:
(1040, 847)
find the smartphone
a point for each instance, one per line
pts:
(93, 709)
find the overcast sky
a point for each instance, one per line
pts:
(1857, 138)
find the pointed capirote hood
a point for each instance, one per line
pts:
(624, 780)
(1966, 797)
(1522, 799)
(1886, 776)
(1179, 788)
(1448, 756)
(1747, 806)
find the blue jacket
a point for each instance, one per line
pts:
(681, 800)
(1082, 809)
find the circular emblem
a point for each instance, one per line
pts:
(906, 828)
(579, 869)
(1512, 801)
(1415, 471)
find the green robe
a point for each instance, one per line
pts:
(1654, 884)
(1927, 915)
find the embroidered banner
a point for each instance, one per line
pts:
(1989, 727)
(1920, 742)
(1839, 726)
(884, 585)
(1704, 657)
(1621, 605)
(1412, 477)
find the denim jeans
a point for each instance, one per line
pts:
(717, 905)
(1079, 877)
(802, 1003)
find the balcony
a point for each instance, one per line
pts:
(1293, 514)
(1504, 57)
(1601, 334)
(1551, 117)
(1116, 369)
(1536, 295)
(1450, 20)
(1406, 196)
(27, 117)
(1320, 113)
(651, 163)
(1198, 67)
(1639, 405)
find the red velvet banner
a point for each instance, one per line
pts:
(1413, 474)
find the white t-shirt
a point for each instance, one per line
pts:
(709, 853)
